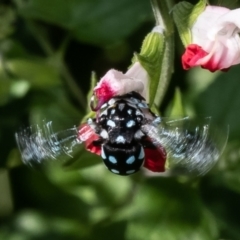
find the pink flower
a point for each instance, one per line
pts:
(215, 40)
(115, 83)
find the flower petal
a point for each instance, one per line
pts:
(226, 32)
(192, 55)
(109, 85)
(205, 21)
(155, 159)
(136, 71)
(88, 136)
(217, 59)
(115, 83)
(216, 34)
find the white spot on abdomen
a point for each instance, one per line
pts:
(130, 171)
(130, 160)
(103, 155)
(120, 139)
(112, 159)
(141, 154)
(114, 171)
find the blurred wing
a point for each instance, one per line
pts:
(190, 149)
(39, 143)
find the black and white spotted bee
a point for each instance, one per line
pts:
(128, 135)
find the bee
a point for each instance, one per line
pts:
(128, 136)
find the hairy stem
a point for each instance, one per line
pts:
(161, 10)
(42, 39)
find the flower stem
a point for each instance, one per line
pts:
(161, 10)
(41, 37)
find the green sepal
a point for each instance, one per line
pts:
(90, 113)
(94, 81)
(176, 108)
(26, 69)
(184, 16)
(151, 57)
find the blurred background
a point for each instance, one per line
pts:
(48, 50)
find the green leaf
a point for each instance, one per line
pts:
(10, 48)
(229, 166)
(19, 88)
(82, 159)
(99, 22)
(96, 178)
(184, 15)
(221, 101)
(70, 206)
(151, 57)
(157, 210)
(7, 18)
(224, 206)
(38, 73)
(108, 231)
(5, 86)
(53, 105)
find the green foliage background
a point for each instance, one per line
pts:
(47, 52)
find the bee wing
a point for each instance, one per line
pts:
(40, 143)
(190, 149)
